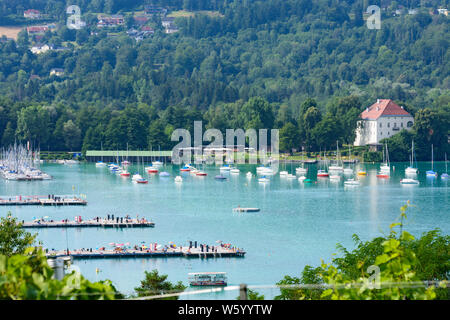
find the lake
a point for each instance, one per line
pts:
(298, 224)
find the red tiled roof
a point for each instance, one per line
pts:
(383, 107)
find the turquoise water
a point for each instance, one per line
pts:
(297, 225)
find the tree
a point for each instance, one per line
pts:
(72, 135)
(33, 124)
(311, 118)
(13, 238)
(430, 127)
(155, 284)
(288, 137)
(29, 277)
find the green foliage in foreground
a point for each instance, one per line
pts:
(13, 238)
(29, 277)
(400, 258)
(155, 284)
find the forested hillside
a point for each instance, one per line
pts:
(308, 67)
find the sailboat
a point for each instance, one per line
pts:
(445, 174)
(100, 164)
(411, 169)
(336, 166)
(349, 170)
(385, 168)
(284, 173)
(302, 170)
(322, 173)
(431, 173)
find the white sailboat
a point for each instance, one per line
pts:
(431, 173)
(337, 166)
(445, 174)
(411, 169)
(302, 170)
(349, 170)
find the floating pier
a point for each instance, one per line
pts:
(50, 200)
(153, 251)
(246, 209)
(92, 223)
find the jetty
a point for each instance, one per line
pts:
(50, 200)
(96, 222)
(154, 250)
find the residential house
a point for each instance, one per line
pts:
(381, 120)
(37, 30)
(110, 21)
(32, 14)
(57, 72)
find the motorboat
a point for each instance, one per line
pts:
(409, 181)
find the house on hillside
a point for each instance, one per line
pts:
(443, 11)
(37, 30)
(381, 120)
(57, 72)
(32, 14)
(169, 25)
(110, 21)
(154, 10)
(41, 48)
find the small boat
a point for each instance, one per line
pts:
(291, 176)
(301, 178)
(178, 179)
(201, 173)
(157, 164)
(362, 173)
(263, 179)
(143, 181)
(220, 177)
(164, 174)
(307, 181)
(124, 173)
(249, 175)
(185, 169)
(385, 168)
(225, 167)
(100, 164)
(136, 177)
(336, 166)
(151, 169)
(409, 181)
(383, 175)
(235, 171)
(351, 182)
(283, 173)
(207, 279)
(322, 174)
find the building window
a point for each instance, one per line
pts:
(389, 124)
(401, 124)
(409, 124)
(380, 125)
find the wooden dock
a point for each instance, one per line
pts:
(92, 223)
(42, 201)
(180, 252)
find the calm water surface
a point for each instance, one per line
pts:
(297, 225)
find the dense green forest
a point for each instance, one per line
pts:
(306, 67)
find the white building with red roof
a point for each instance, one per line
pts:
(32, 14)
(382, 120)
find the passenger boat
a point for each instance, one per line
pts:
(409, 181)
(207, 279)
